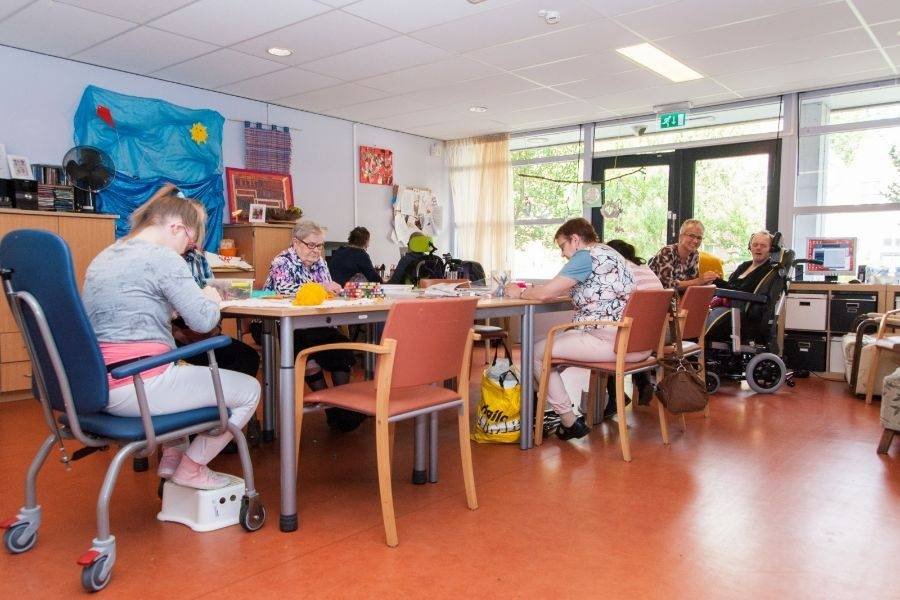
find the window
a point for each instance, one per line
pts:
(848, 171)
(541, 205)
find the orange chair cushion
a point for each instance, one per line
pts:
(609, 367)
(361, 397)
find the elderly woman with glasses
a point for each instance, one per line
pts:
(676, 265)
(302, 263)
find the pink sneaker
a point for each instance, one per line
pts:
(171, 456)
(200, 477)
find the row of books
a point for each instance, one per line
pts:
(49, 174)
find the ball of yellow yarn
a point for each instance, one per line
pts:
(310, 294)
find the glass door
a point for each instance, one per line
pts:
(637, 199)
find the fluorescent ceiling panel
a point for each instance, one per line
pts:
(656, 60)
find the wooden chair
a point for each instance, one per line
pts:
(413, 360)
(487, 332)
(692, 312)
(883, 342)
(641, 329)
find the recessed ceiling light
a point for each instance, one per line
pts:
(478, 109)
(276, 51)
(653, 58)
(475, 1)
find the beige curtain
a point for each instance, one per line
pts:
(482, 210)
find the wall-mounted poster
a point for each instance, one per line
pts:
(274, 190)
(376, 165)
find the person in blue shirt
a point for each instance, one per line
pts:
(348, 261)
(600, 283)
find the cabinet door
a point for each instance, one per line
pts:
(12, 347)
(15, 376)
(87, 237)
(23, 220)
(268, 242)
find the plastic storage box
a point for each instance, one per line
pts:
(232, 289)
(806, 312)
(203, 510)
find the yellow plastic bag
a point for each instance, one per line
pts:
(498, 416)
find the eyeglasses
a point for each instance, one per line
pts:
(312, 246)
(694, 236)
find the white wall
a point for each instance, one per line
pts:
(36, 121)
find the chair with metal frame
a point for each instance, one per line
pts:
(641, 329)
(424, 343)
(70, 380)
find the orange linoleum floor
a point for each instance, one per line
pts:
(779, 496)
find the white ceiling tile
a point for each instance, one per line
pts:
(8, 7)
(218, 69)
(48, 27)
(789, 75)
(611, 84)
(454, 130)
(410, 15)
(597, 35)
(375, 59)
(894, 53)
(780, 53)
(375, 109)
(801, 85)
(423, 77)
(578, 69)
(338, 96)
(137, 11)
(475, 90)
(555, 112)
(318, 37)
(876, 11)
(406, 121)
(226, 22)
(817, 20)
(675, 92)
(128, 51)
(887, 34)
(337, 3)
(505, 24)
(620, 7)
(280, 84)
(526, 100)
(685, 16)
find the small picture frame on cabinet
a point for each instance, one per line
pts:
(257, 213)
(19, 167)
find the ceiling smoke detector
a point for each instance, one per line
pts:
(551, 17)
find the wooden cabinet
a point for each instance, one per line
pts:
(258, 244)
(87, 235)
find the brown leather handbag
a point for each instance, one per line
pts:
(681, 389)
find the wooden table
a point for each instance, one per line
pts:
(290, 318)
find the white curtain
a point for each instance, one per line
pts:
(482, 210)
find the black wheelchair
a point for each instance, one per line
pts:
(742, 341)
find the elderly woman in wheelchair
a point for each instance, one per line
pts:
(741, 330)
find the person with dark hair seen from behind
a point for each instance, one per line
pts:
(644, 279)
(677, 265)
(407, 260)
(351, 260)
(600, 283)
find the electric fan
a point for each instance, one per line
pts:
(89, 169)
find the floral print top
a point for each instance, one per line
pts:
(670, 269)
(603, 294)
(288, 273)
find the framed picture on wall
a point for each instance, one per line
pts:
(246, 188)
(376, 165)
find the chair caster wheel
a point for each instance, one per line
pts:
(253, 513)
(16, 540)
(91, 576)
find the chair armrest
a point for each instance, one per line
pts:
(373, 348)
(736, 295)
(151, 362)
(575, 324)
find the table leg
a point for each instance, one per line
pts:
(368, 357)
(526, 439)
(433, 448)
(288, 442)
(419, 475)
(269, 368)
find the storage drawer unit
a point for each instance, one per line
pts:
(806, 312)
(836, 355)
(846, 307)
(805, 351)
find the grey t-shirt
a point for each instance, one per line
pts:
(132, 289)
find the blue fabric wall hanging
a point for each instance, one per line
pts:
(153, 142)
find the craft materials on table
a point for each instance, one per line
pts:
(362, 289)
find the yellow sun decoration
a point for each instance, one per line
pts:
(198, 133)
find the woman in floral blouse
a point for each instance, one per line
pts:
(302, 263)
(677, 265)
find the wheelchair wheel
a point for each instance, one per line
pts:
(765, 373)
(253, 514)
(16, 540)
(712, 382)
(91, 580)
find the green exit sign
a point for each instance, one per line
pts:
(673, 119)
